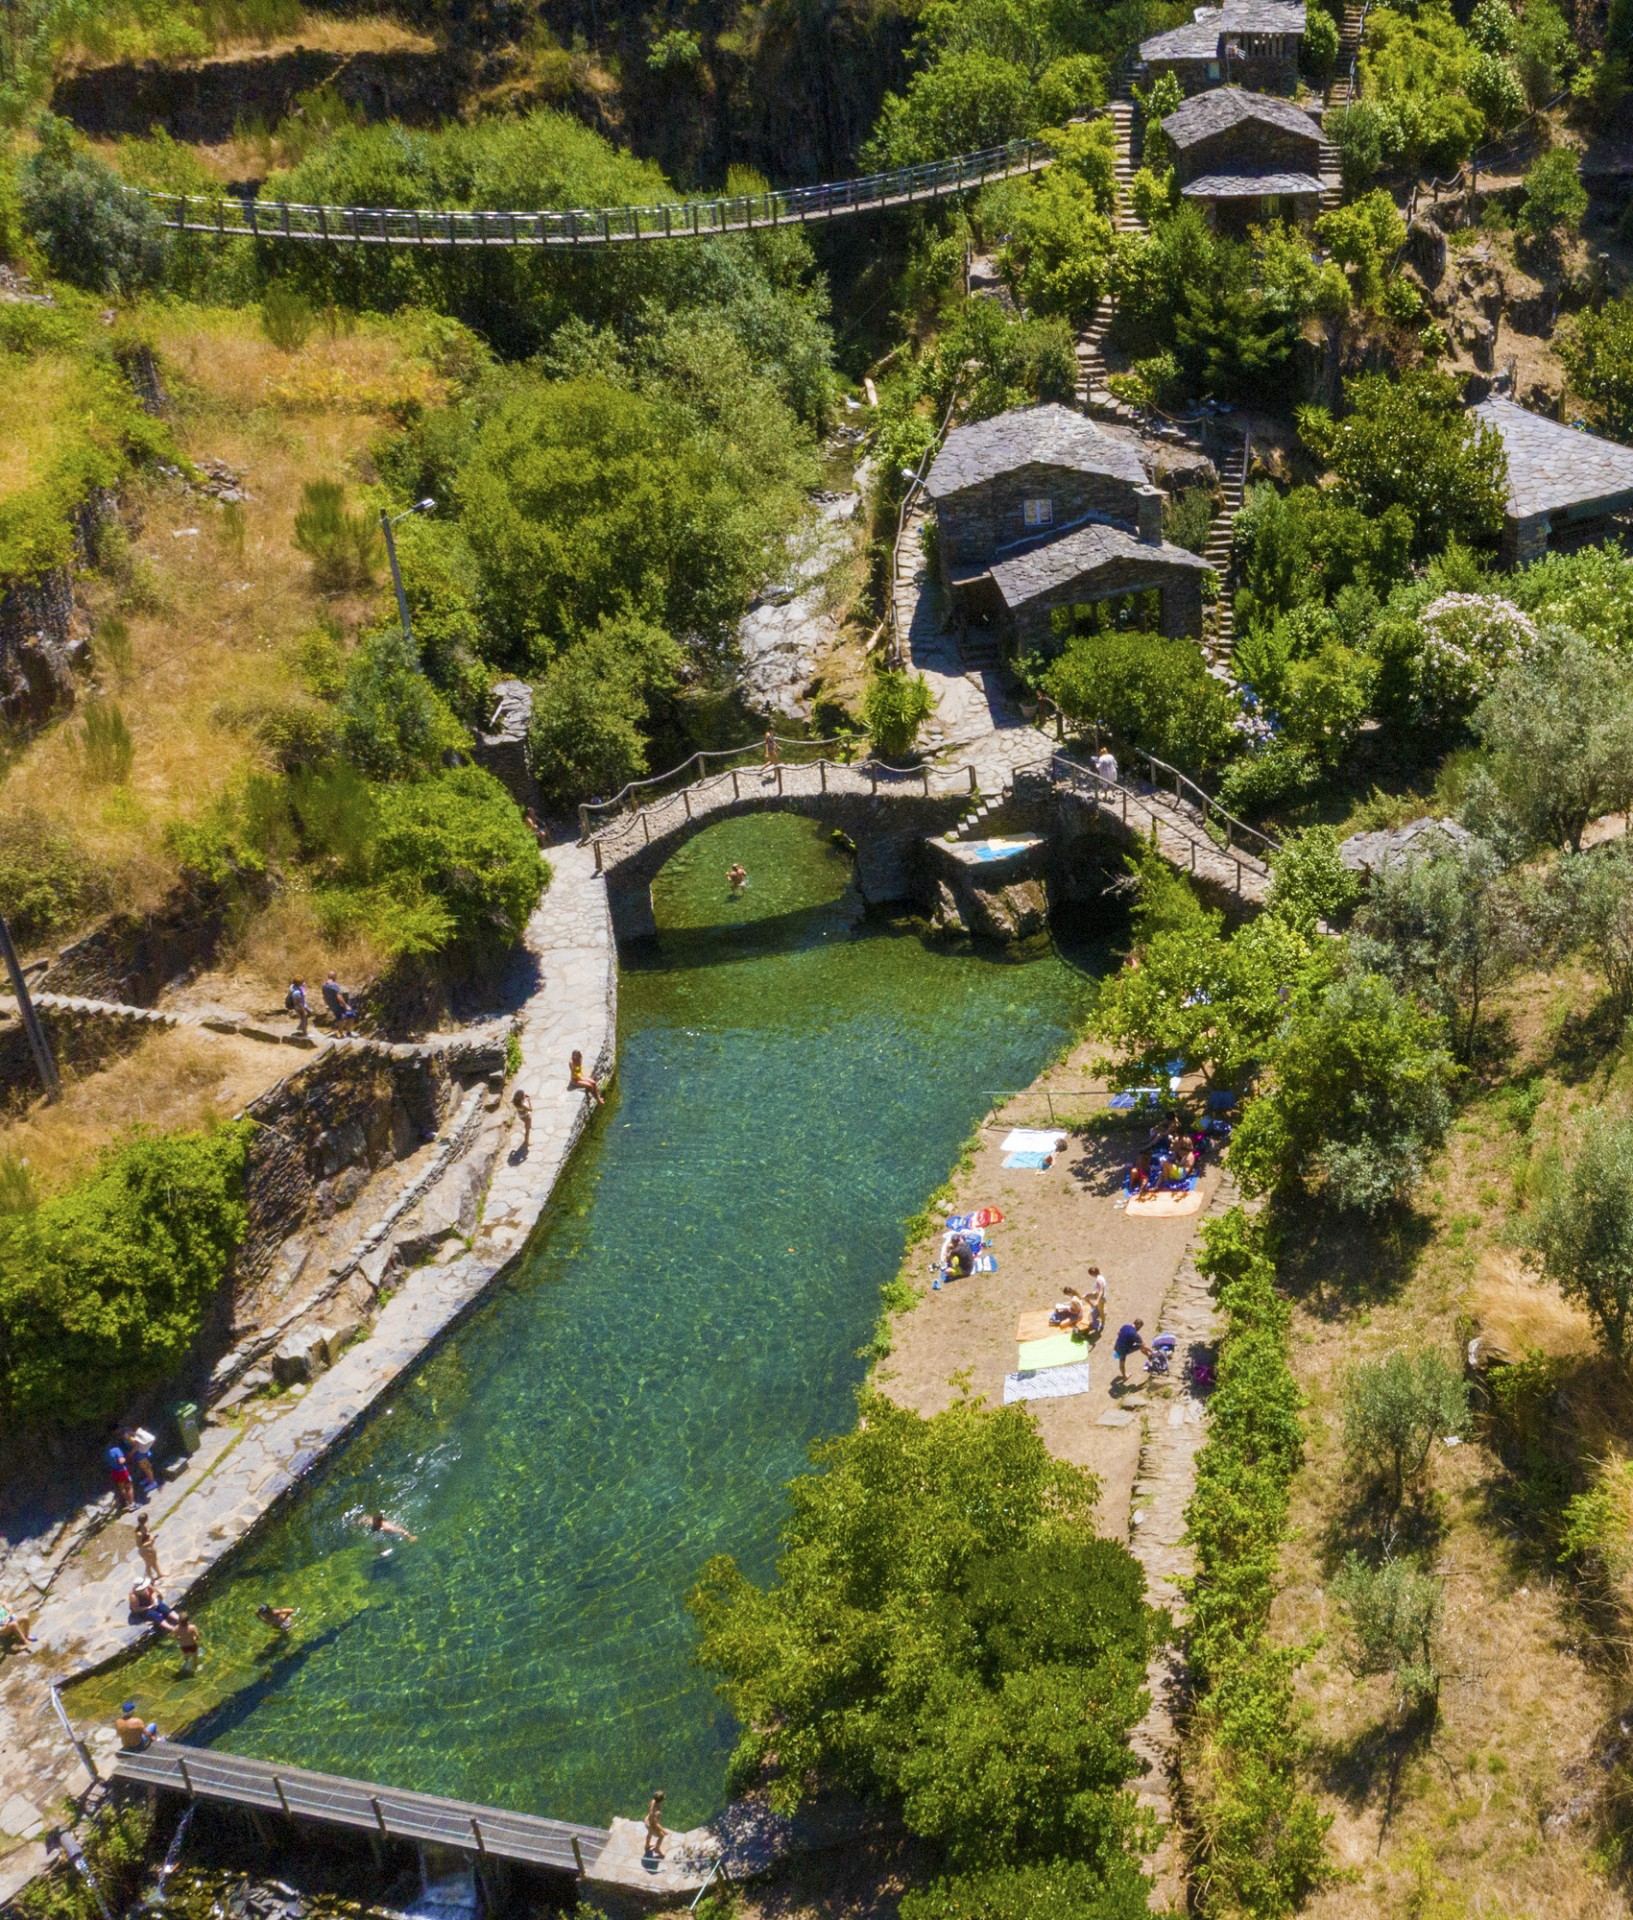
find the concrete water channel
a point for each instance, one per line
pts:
(693, 1312)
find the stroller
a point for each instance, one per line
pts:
(1163, 1349)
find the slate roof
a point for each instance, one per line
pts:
(1199, 38)
(1248, 186)
(1220, 108)
(1552, 466)
(1050, 435)
(1080, 555)
(1375, 851)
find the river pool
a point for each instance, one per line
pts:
(632, 1399)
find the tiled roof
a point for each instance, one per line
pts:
(1248, 186)
(1199, 38)
(1080, 555)
(1551, 466)
(1220, 108)
(1051, 436)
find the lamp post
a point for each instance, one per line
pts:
(387, 522)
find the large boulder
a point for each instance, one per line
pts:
(1426, 251)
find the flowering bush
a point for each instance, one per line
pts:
(1468, 638)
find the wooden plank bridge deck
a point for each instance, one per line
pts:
(387, 1813)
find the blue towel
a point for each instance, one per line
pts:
(1140, 1097)
(1036, 1161)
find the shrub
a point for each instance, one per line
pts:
(1597, 349)
(1059, 1890)
(104, 1287)
(90, 229)
(894, 707)
(106, 747)
(1319, 53)
(1464, 641)
(1394, 1412)
(393, 722)
(341, 545)
(592, 708)
(47, 880)
(287, 318)
(1275, 776)
(1149, 690)
(1394, 1616)
(1494, 87)
(1581, 1234)
(1555, 198)
(1308, 881)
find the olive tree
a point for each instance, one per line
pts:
(1395, 1410)
(1393, 1613)
(1581, 1232)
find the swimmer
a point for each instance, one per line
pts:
(378, 1523)
(737, 877)
(278, 1617)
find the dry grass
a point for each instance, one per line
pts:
(33, 397)
(175, 1078)
(1458, 1828)
(376, 33)
(282, 944)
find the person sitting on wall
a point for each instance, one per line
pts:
(149, 1605)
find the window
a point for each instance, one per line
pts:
(1038, 512)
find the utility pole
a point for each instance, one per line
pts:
(387, 522)
(38, 1045)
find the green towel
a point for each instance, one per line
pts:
(1059, 1350)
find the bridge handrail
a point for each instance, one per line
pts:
(1072, 773)
(244, 215)
(623, 800)
(1185, 788)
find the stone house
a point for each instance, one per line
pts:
(1246, 157)
(1249, 43)
(1566, 488)
(1040, 509)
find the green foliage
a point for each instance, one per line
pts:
(1598, 888)
(1260, 1839)
(1395, 1410)
(1309, 546)
(894, 707)
(1324, 698)
(105, 745)
(1260, 783)
(1149, 690)
(1394, 1617)
(1494, 87)
(1308, 881)
(1440, 654)
(1318, 55)
(1360, 1097)
(1555, 199)
(287, 318)
(1580, 1234)
(1164, 899)
(677, 51)
(342, 546)
(90, 230)
(1363, 236)
(48, 882)
(1057, 1890)
(1415, 71)
(1361, 131)
(993, 360)
(117, 1842)
(1558, 730)
(913, 1648)
(592, 708)
(1058, 255)
(1544, 49)
(1597, 349)
(1408, 441)
(104, 1288)
(393, 722)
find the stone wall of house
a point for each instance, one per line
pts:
(974, 524)
(1180, 587)
(1265, 72)
(1250, 144)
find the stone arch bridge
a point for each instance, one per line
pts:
(884, 811)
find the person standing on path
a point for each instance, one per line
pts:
(773, 754)
(138, 1446)
(295, 1003)
(1095, 1294)
(119, 1473)
(1129, 1341)
(148, 1548)
(342, 1009)
(524, 1113)
(187, 1639)
(656, 1831)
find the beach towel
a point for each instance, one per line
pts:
(1059, 1350)
(1057, 1383)
(1221, 1102)
(1165, 1206)
(1033, 1140)
(1135, 1097)
(1034, 1324)
(981, 1217)
(1035, 1162)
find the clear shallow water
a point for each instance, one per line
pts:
(633, 1399)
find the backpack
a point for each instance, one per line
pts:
(294, 999)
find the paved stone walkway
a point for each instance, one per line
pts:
(242, 1470)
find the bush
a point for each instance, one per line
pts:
(1150, 691)
(1276, 776)
(393, 722)
(592, 708)
(1597, 349)
(47, 880)
(1555, 199)
(1581, 1234)
(894, 707)
(1319, 53)
(1394, 1412)
(1308, 881)
(104, 1288)
(1059, 1890)
(90, 229)
(342, 546)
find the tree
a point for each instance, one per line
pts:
(90, 229)
(393, 722)
(1597, 349)
(1394, 1619)
(1598, 889)
(909, 1650)
(894, 707)
(1059, 249)
(1148, 689)
(1449, 925)
(964, 101)
(1362, 236)
(1308, 545)
(1581, 1233)
(1324, 699)
(1360, 132)
(592, 707)
(1555, 198)
(1494, 87)
(1359, 1097)
(1394, 1411)
(1543, 46)
(1410, 442)
(1308, 881)
(1318, 55)
(1558, 729)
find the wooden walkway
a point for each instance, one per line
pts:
(259, 1786)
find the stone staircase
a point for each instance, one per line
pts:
(1340, 93)
(1220, 636)
(1093, 395)
(1120, 111)
(1332, 180)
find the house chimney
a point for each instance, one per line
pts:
(1148, 514)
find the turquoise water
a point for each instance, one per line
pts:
(791, 1084)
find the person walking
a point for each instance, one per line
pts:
(737, 877)
(187, 1639)
(295, 1003)
(1129, 1340)
(1095, 1294)
(148, 1548)
(342, 1008)
(137, 1443)
(524, 1113)
(656, 1831)
(119, 1473)
(773, 755)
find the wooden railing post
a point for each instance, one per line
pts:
(779, 777)
(736, 789)
(686, 796)
(379, 1817)
(186, 1777)
(283, 1798)
(598, 856)
(646, 825)
(476, 1830)
(583, 822)
(578, 1855)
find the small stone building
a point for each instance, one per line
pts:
(1248, 43)
(1566, 488)
(1246, 157)
(1040, 509)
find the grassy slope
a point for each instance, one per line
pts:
(1458, 1829)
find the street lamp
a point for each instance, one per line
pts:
(387, 522)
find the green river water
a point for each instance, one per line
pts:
(633, 1398)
